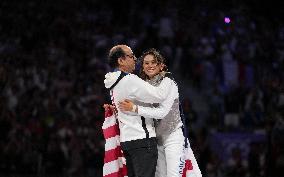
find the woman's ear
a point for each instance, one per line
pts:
(162, 66)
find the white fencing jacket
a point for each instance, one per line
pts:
(133, 88)
(168, 110)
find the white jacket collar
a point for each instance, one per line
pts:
(110, 78)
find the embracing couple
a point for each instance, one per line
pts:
(148, 112)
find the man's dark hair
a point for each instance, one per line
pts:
(114, 55)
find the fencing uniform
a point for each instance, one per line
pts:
(169, 131)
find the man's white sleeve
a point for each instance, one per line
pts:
(144, 92)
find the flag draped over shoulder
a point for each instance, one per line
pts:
(114, 161)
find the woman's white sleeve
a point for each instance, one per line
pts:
(162, 110)
(144, 92)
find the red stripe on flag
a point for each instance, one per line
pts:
(187, 167)
(108, 113)
(123, 170)
(111, 131)
(112, 154)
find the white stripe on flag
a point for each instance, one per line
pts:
(112, 143)
(109, 121)
(113, 166)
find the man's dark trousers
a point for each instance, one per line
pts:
(141, 157)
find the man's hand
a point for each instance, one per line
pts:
(109, 107)
(126, 105)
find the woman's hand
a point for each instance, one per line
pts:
(126, 105)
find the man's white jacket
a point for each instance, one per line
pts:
(133, 88)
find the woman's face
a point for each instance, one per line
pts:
(151, 67)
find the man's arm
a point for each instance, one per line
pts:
(144, 92)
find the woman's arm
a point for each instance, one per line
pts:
(142, 91)
(149, 112)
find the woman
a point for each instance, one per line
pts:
(169, 123)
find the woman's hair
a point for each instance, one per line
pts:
(157, 56)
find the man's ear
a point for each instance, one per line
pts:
(120, 61)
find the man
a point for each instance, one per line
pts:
(137, 134)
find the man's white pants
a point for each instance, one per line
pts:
(170, 155)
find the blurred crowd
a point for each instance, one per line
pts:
(53, 57)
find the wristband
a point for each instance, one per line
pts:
(134, 108)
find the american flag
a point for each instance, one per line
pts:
(190, 168)
(114, 161)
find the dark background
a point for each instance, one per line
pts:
(53, 59)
